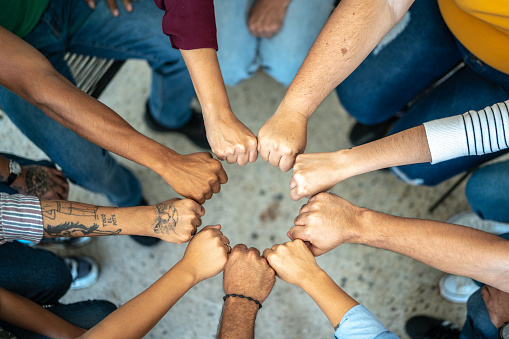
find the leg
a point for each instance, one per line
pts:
(237, 52)
(464, 91)
(36, 274)
(414, 55)
(85, 314)
(486, 192)
(283, 54)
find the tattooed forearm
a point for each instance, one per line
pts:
(51, 209)
(166, 218)
(72, 229)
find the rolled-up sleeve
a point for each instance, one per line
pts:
(20, 218)
(189, 24)
(360, 323)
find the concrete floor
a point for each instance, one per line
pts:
(254, 208)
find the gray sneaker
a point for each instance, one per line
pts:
(470, 219)
(84, 272)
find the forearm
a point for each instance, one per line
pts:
(72, 219)
(450, 248)
(407, 147)
(238, 319)
(138, 316)
(26, 314)
(331, 299)
(208, 82)
(349, 35)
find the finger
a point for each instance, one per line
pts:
(294, 194)
(91, 4)
(286, 163)
(128, 6)
(253, 154)
(224, 239)
(194, 230)
(274, 159)
(243, 159)
(264, 154)
(215, 227)
(274, 247)
(231, 159)
(112, 4)
(196, 222)
(293, 180)
(301, 219)
(255, 250)
(223, 178)
(216, 187)
(305, 208)
(199, 209)
(299, 232)
(208, 195)
(266, 252)
(240, 247)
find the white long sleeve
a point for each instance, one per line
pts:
(472, 133)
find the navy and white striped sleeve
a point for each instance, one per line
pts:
(472, 133)
(20, 218)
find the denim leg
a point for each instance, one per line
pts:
(401, 68)
(238, 49)
(486, 192)
(23, 162)
(137, 35)
(36, 274)
(465, 90)
(85, 314)
(478, 323)
(283, 54)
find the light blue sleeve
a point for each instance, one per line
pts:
(360, 323)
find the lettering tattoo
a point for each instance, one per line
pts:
(77, 220)
(166, 219)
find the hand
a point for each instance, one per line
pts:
(326, 222)
(497, 304)
(314, 173)
(293, 262)
(196, 176)
(266, 17)
(206, 253)
(112, 4)
(175, 220)
(42, 182)
(248, 274)
(282, 138)
(230, 139)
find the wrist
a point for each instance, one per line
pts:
(362, 232)
(244, 304)
(162, 159)
(186, 273)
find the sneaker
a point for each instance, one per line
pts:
(84, 272)
(145, 241)
(423, 327)
(456, 288)
(194, 129)
(470, 219)
(63, 242)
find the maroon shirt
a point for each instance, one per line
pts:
(190, 24)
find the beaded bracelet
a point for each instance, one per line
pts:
(243, 296)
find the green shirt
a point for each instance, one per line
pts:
(21, 16)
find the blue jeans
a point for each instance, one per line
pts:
(70, 26)
(84, 314)
(403, 68)
(241, 54)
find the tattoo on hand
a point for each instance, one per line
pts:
(38, 181)
(167, 218)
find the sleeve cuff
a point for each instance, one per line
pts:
(20, 218)
(446, 138)
(359, 323)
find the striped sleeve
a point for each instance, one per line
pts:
(472, 133)
(20, 218)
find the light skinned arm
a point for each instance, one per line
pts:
(351, 33)
(295, 264)
(229, 138)
(174, 221)
(35, 180)
(318, 172)
(248, 274)
(26, 72)
(328, 221)
(205, 257)
(24, 313)
(266, 17)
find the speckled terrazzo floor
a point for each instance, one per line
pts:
(254, 208)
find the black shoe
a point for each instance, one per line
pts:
(362, 134)
(423, 327)
(194, 129)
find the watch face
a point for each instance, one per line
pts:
(505, 331)
(15, 167)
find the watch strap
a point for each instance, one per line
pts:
(12, 175)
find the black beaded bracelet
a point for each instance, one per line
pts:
(243, 296)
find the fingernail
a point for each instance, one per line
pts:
(129, 7)
(115, 12)
(91, 4)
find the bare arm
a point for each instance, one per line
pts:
(319, 172)
(24, 313)
(173, 221)
(351, 32)
(328, 221)
(229, 138)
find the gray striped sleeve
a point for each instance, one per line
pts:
(20, 218)
(472, 133)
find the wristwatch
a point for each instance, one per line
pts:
(14, 172)
(503, 332)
